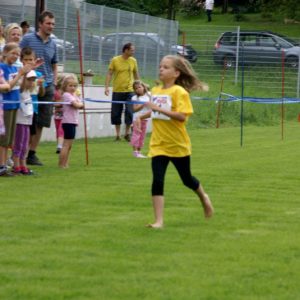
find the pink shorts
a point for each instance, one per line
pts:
(59, 129)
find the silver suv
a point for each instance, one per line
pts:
(256, 47)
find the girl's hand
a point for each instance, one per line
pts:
(38, 62)
(40, 81)
(151, 105)
(25, 70)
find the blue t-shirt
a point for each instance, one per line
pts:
(10, 72)
(47, 51)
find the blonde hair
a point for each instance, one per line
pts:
(67, 79)
(60, 79)
(143, 84)
(188, 78)
(9, 27)
(9, 47)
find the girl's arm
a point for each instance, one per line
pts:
(40, 83)
(137, 107)
(4, 87)
(172, 114)
(77, 104)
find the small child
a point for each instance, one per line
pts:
(58, 115)
(12, 75)
(139, 125)
(24, 120)
(4, 87)
(70, 117)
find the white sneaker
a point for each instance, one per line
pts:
(10, 162)
(140, 155)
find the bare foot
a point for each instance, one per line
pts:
(155, 225)
(207, 206)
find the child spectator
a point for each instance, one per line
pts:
(12, 75)
(28, 57)
(139, 125)
(4, 87)
(70, 117)
(58, 115)
(24, 120)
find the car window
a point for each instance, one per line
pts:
(229, 39)
(266, 41)
(248, 39)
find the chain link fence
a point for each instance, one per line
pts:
(221, 63)
(262, 63)
(104, 31)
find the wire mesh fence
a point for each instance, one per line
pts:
(236, 61)
(262, 63)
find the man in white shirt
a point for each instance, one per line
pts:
(209, 5)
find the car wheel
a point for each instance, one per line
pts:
(292, 62)
(229, 61)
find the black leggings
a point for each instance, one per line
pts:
(182, 165)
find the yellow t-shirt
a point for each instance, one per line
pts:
(169, 137)
(123, 70)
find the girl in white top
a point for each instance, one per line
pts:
(70, 117)
(24, 120)
(139, 126)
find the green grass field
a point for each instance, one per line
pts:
(79, 233)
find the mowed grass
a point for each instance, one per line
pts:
(79, 233)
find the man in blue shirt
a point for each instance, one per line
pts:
(44, 48)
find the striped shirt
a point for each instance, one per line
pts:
(46, 50)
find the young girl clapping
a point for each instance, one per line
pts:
(171, 107)
(71, 106)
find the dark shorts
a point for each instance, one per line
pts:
(33, 125)
(45, 113)
(117, 108)
(10, 117)
(69, 131)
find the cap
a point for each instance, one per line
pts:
(31, 74)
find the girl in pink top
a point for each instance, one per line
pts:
(71, 106)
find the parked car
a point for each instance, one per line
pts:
(256, 47)
(147, 45)
(61, 45)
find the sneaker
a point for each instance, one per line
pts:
(135, 153)
(33, 160)
(117, 139)
(10, 162)
(6, 173)
(58, 150)
(26, 171)
(140, 155)
(127, 137)
(16, 170)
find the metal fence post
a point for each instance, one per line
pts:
(117, 31)
(65, 28)
(23, 10)
(145, 46)
(298, 81)
(100, 34)
(83, 30)
(237, 55)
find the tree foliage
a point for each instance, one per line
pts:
(284, 8)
